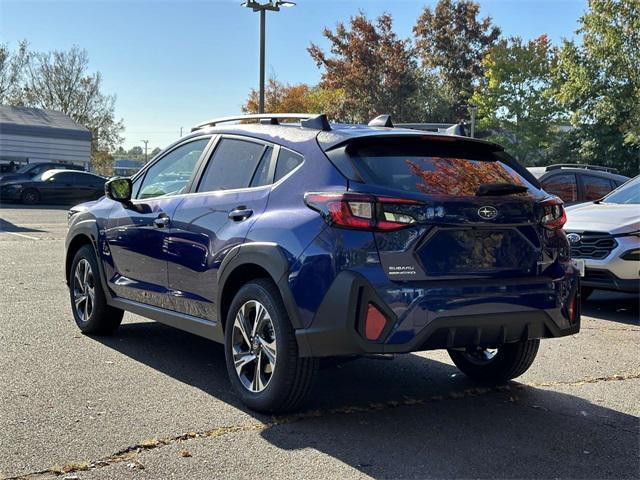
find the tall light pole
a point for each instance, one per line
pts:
(146, 142)
(274, 6)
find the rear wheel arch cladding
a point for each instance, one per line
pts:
(259, 258)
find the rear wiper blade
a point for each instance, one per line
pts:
(487, 189)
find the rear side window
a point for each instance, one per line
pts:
(595, 187)
(562, 185)
(232, 165)
(261, 176)
(287, 161)
(435, 168)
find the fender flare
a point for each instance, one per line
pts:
(87, 228)
(270, 257)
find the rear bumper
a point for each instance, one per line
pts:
(428, 317)
(606, 280)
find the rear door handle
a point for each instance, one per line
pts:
(162, 221)
(239, 214)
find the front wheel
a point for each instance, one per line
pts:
(499, 364)
(30, 197)
(262, 353)
(88, 301)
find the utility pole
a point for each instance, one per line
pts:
(273, 6)
(181, 132)
(473, 109)
(146, 142)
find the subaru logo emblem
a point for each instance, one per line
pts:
(574, 238)
(487, 213)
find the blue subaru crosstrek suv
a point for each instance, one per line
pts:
(292, 241)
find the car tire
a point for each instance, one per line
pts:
(88, 301)
(506, 362)
(262, 360)
(585, 293)
(30, 196)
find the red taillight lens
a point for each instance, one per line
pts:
(360, 211)
(374, 323)
(553, 214)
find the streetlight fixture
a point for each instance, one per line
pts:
(273, 6)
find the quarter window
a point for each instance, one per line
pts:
(232, 165)
(563, 185)
(170, 175)
(287, 161)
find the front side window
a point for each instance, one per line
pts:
(171, 174)
(563, 186)
(232, 165)
(595, 187)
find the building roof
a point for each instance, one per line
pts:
(38, 122)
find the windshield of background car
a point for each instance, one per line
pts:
(628, 194)
(435, 168)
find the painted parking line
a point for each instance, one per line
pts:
(21, 235)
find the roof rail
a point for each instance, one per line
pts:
(269, 118)
(558, 166)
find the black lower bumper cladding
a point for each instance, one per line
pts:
(340, 318)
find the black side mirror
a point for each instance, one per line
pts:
(119, 189)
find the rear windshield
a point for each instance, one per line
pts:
(435, 168)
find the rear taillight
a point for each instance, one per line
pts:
(360, 211)
(553, 214)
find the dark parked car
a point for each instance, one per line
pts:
(54, 186)
(292, 242)
(32, 170)
(577, 183)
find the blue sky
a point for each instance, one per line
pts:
(175, 63)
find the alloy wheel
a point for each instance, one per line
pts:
(84, 291)
(254, 346)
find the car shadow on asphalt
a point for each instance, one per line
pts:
(414, 417)
(20, 206)
(613, 306)
(6, 226)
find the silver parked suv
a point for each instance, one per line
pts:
(606, 234)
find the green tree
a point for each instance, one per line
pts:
(515, 98)
(374, 69)
(284, 98)
(451, 42)
(599, 82)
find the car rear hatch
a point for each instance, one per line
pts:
(447, 207)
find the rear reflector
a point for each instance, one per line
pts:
(374, 323)
(572, 308)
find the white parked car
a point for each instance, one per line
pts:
(606, 234)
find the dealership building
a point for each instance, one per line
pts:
(34, 135)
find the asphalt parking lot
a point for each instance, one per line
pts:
(152, 402)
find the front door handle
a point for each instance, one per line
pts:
(162, 221)
(240, 213)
